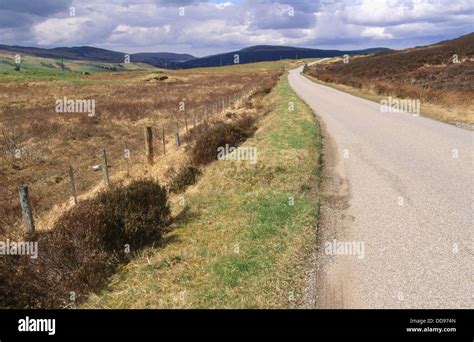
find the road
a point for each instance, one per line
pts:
(400, 188)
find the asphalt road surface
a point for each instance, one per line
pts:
(398, 203)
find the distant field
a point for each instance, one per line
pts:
(125, 102)
(429, 74)
(38, 68)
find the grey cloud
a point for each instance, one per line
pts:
(207, 27)
(14, 20)
(35, 7)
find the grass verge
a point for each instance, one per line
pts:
(244, 232)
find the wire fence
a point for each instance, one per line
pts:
(156, 141)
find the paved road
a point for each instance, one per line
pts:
(397, 185)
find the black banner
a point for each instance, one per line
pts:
(416, 324)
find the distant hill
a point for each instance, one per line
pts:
(425, 67)
(90, 53)
(440, 76)
(251, 54)
(260, 53)
(161, 59)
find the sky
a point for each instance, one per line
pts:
(204, 27)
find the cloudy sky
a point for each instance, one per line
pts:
(203, 27)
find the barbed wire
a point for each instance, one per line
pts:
(209, 110)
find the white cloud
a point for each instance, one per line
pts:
(73, 30)
(209, 27)
(376, 33)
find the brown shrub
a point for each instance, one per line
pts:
(209, 138)
(85, 246)
(135, 214)
(187, 176)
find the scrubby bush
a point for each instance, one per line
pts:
(187, 176)
(85, 246)
(209, 137)
(135, 215)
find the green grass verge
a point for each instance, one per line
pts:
(246, 231)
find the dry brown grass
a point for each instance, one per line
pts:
(240, 205)
(125, 103)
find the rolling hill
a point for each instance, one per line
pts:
(260, 53)
(440, 75)
(158, 59)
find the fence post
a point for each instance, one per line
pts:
(149, 144)
(70, 173)
(105, 166)
(177, 134)
(127, 157)
(26, 210)
(163, 138)
(186, 122)
(194, 119)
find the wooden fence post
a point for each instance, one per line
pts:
(105, 166)
(163, 138)
(70, 173)
(126, 155)
(26, 210)
(149, 144)
(177, 134)
(186, 122)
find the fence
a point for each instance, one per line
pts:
(185, 117)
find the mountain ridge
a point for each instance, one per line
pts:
(256, 53)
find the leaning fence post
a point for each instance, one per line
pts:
(105, 166)
(26, 210)
(149, 144)
(163, 140)
(177, 134)
(70, 173)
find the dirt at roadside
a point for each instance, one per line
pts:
(330, 281)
